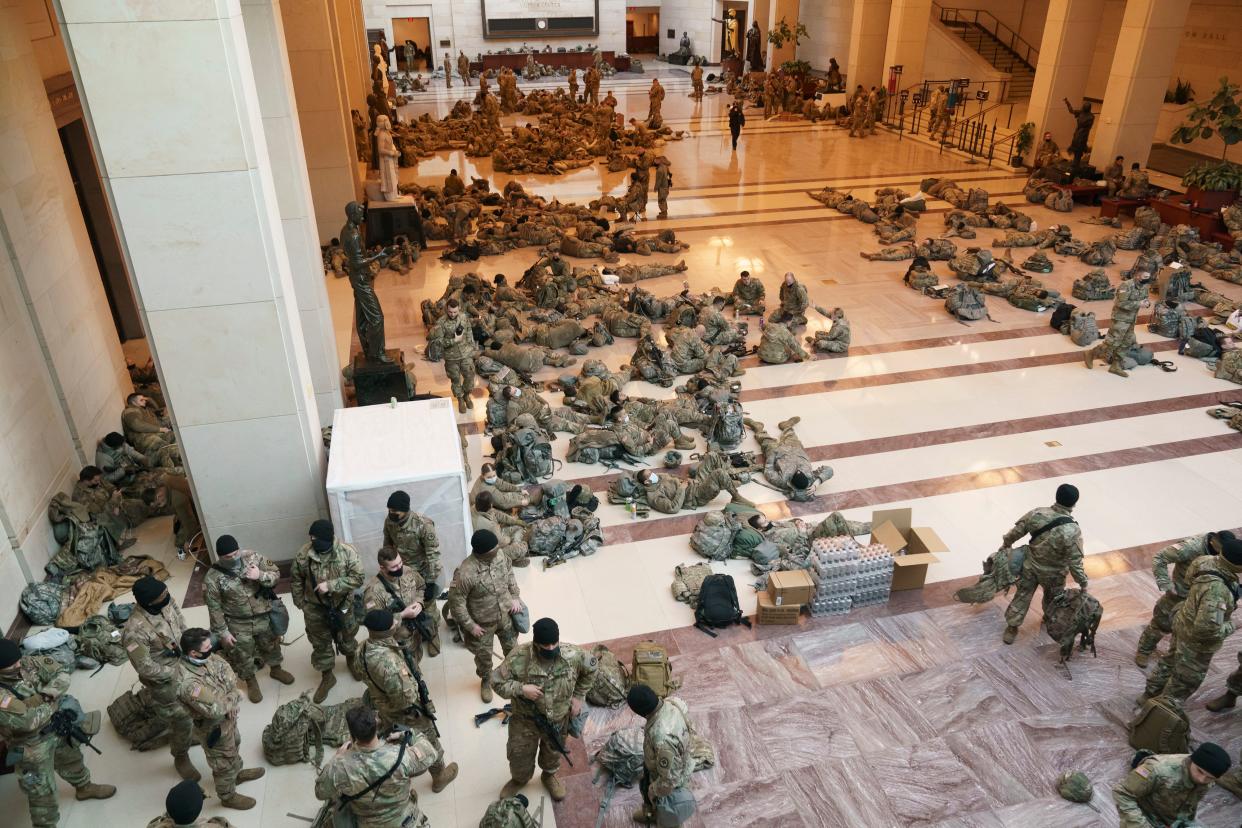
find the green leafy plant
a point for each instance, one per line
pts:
(796, 67)
(781, 33)
(1219, 115)
(1025, 139)
(1182, 93)
(1218, 176)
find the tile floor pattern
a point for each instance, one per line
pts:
(909, 714)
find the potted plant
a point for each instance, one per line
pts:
(780, 35)
(1212, 185)
(1023, 140)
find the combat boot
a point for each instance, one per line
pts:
(643, 817)
(249, 774)
(1011, 634)
(469, 402)
(1088, 357)
(1141, 659)
(511, 787)
(556, 788)
(1116, 368)
(92, 791)
(238, 802)
(790, 423)
(1224, 701)
(441, 780)
(485, 691)
(326, 683)
(281, 675)
(253, 691)
(185, 768)
(461, 405)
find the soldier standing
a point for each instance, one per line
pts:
(324, 576)
(399, 589)
(1166, 789)
(448, 71)
(463, 67)
(547, 682)
(30, 693)
(455, 336)
(483, 597)
(183, 807)
(736, 121)
(151, 638)
(397, 690)
(573, 84)
(667, 761)
(239, 589)
(414, 537)
(207, 687)
(1200, 626)
(1174, 588)
(1055, 548)
(663, 183)
(383, 769)
(696, 81)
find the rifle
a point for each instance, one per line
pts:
(423, 705)
(503, 713)
(64, 723)
(419, 624)
(551, 733)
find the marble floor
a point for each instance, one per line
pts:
(912, 713)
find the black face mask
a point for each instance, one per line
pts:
(548, 655)
(394, 574)
(395, 517)
(156, 609)
(321, 545)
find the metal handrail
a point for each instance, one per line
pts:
(1006, 36)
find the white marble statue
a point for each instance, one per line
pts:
(387, 151)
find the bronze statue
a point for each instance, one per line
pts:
(1084, 118)
(368, 315)
(754, 49)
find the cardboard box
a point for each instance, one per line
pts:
(768, 613)
(795, 587)
(914, 548)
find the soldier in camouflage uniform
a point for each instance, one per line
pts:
(778, 345)
(835, 340)
(631, 273)
(520, 401)
(483, 597)
(1120, 340)
(414, 536)
(453, 334)
(510, 530)
(151, 638)
(323, 578)
(1174, 587)
(399, 589)
(794, 303)
(747, 296)
(106, 504)
(207, 688)
(505, 495)
(546, 678)
(786, 464)
(30, 693)
(1164, 790)
(143, 429)
(668, 761)
(183, 808)
(238, 591)
(1051, 553)
(669, 493)
(367, 758)
(1200, 626)
(395, 688)
(717, 329)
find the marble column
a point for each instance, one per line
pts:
(787, 9)
(868, 38)
(350, 33)
(319, 84)
(1146, 49)
(1065, 55)
(282, 133)
(191, 184)
(62, 375)
(908, 23)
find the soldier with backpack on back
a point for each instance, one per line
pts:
(1054, 549)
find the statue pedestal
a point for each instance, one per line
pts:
(377, 383)
(732, 64)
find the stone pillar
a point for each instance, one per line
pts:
(316, 66)
(351, 35)
(265, 40)
(868, 37)
(908, 23)
(1065, 56)
(788, 9)
(191, 183)
(1151, 31)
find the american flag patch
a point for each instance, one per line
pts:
(1143, 771)
(4, 705)
(196, 692)
(131, 647)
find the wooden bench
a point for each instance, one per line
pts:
(1086, 193)
(1113, 206)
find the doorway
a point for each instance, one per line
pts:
(642, 30)
(412, 39)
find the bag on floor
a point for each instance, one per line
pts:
(98, 638)
(966, 302)
(612, 680)
(688, 580)
(626, 489)
(1228, 368)
(295, 733)
(650, 667)
(1001, 570)
(133, 716)
(718, 605)
(40, 602)
(713, 536)
(1160, 726)
(1073, 614)
(1060, 316)
(621, 760)
(509, 813)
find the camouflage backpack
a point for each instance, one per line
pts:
(544, 536)
(1082, 328)
(1000, 571)
(965, 302)
(133, 716)
(509, 813)
(1073, 614)
(1099, 254)
(1093, 286)
(1147, 218)
(687, 580)
(1230, 367)
(1060, 200)
(525, 456)
(98, 638)
(713, 536)
(977, 200)
(612, 679)
(40, 602)
(626, 489)
(1169, 319)
(297, 732)
(921, 280)
(728, 429)
(600, 335)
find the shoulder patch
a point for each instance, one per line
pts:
(1143, 771)
(5, 702)
(197, 691)
(132, 647)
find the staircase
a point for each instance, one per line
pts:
(996, 43)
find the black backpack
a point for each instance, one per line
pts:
(1061, 315)
(718, 606)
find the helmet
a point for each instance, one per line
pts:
(672, 460)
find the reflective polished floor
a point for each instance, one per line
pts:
(913, 713)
